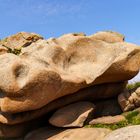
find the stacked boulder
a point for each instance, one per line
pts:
(38, 76)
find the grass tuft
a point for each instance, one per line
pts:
(109, 126)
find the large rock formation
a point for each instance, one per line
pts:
(46, 70)
(38, 76)
(49, 69)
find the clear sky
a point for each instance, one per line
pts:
(56, 17)
(52, 18)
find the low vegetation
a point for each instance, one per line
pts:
(132, 118)
(134, 85)
(110, 126)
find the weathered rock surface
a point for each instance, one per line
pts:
(49, 69)
(129, 99)
(3, 50)
(73, 115)
(109, 36)
(69, 134)
(108, 120)
(126, 133)
(19, 40)
(125, 66)
(104, 91)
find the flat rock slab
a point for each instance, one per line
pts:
(73, 115)
(108, 120)
(126, 133)
(69, 134)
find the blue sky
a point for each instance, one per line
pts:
(56, 17)
(52, 18)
